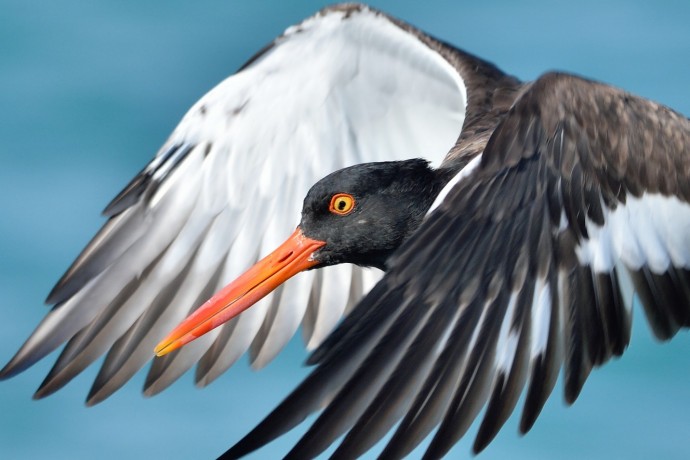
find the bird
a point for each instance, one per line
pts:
(517, 260)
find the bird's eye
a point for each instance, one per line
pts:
(342, 204)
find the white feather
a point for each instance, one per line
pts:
(541, 317)
(463, 173)
(335, 286)
(507, 339)
(626, 286)
(651, 230)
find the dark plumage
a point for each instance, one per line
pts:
(391, 201)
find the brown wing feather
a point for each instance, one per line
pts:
(505, 239)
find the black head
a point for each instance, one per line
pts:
(359, 215)
(365, 212)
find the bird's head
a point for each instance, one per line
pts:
(358, 215)
(363, 213)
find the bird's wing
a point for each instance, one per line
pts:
(345, 86)
(527, 265)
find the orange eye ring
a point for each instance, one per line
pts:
(342, 204)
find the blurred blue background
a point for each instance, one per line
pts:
(89, 91)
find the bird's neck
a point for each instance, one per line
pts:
(425, 197)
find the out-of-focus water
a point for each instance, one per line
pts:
(88, 92)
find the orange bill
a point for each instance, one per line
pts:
(291, 257)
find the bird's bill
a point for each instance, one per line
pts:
(291, 257)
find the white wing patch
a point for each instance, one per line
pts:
(652, 230)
